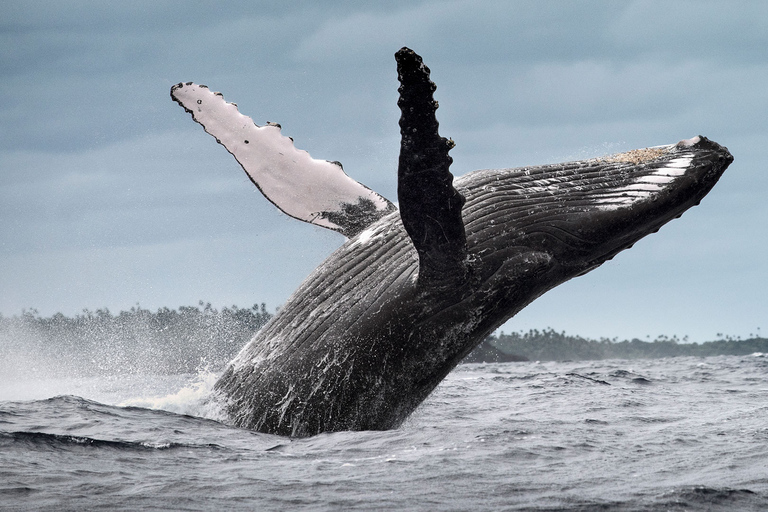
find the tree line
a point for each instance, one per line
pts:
(167, 341)
(550, 345)
(190, 338)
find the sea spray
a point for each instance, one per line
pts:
(193, 399)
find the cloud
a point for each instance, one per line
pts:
(133, 192)
(91, 78)
(223, 269)
(704, 30)
(513, 32)
(103, 175)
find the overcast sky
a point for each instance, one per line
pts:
(110, 195)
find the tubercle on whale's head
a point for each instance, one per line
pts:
(584, 213)
(687, 143)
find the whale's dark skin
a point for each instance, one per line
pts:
(376, 327)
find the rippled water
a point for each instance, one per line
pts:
(669, 434)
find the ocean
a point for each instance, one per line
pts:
(627, 435)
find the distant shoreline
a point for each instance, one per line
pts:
(192, 337)
(549, 345)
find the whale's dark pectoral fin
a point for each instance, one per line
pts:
(315, 191)
(430, 206)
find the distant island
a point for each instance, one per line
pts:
(194, 338)
(550, 345)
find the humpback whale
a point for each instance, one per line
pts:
(374, 329)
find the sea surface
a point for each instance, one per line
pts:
(666, 434)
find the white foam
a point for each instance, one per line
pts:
(190, 399)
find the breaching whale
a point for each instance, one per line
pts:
(373, 330)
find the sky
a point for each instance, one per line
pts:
(111, 196)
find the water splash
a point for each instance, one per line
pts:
(193, 399)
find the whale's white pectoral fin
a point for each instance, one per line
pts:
(315, 191)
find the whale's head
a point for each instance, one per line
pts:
(583, 213)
